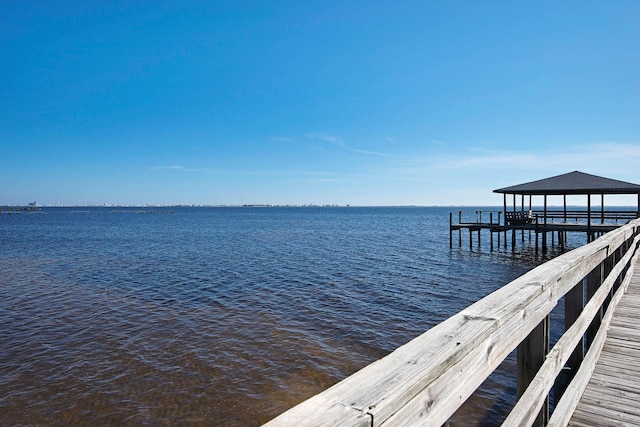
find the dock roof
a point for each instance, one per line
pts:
(572, 183)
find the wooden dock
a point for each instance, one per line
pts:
(425, 381)
(537, 223)
(612, 396)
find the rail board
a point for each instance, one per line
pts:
(612, 395)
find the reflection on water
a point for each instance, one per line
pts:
(223, 316)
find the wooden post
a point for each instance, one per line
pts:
(594, 279)
(531, 355)
(530, 209)
(491, 229)
(460, 229)
(602, 208)
(498, 230)
(450, 230)
(479, 226)
(573, 305)
(505, 216)
(607, 266)
(544, 231)
(513, 230)
(589, 239)
(522, 207)
(618, 254)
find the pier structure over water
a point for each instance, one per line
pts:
(520, 215)
(425, 381)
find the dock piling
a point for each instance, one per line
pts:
(491, 229)
(540, 223)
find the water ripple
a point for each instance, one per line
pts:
(218, 316)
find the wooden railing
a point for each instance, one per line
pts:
(426, 380)
(582, 215)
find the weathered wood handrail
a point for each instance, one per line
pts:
(595, 216)
(531, 402)
(426, 380)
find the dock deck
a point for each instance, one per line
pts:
(613, 392)
(540, 223)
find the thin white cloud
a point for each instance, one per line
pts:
(338, 141)
(320, 179)
(597, 156)
(178, 168)
(600, 152)
(171, 167)
(370, 153)
(281, 139)
(493, 160)
(492, 167)
(326, 138)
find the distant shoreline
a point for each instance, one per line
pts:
(497, 207)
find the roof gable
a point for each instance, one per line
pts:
(573, 183)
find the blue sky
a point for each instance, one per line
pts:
(298, 102)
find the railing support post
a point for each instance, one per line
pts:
(619, 253)
(531, 355)
(594, 279)
(573, 306)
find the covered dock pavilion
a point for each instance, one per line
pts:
(592, 221)
(520, 214)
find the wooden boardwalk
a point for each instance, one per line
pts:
(612, 396)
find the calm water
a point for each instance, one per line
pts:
(223, 316)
